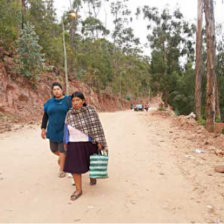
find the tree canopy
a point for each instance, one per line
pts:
(111, 59)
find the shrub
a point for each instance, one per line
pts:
(30, 58)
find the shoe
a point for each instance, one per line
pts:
(92, 181)
(61, 174)
(72, 179)
(75, 196)
(73, 182)
(69, 175)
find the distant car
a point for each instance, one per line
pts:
(139, 107)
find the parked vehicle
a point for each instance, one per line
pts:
(139, 107)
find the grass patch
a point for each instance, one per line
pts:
(202, 122)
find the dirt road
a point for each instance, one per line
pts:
(146, 181)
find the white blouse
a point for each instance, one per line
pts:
(76, 135)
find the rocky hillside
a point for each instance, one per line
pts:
(22, 103)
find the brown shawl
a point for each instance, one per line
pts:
(87, 120)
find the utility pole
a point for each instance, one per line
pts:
(73, 15)
(23, 11)
(65, 59)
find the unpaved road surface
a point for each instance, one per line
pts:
(146, 181)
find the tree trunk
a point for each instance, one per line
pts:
(165, 92)
(165, 97)
(217, 103)
(198, 64)
(211, 76)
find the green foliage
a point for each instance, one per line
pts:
(112, 66)
(218, 120)
(10, 21)
(202, 122)
(220, 73)
(181, 87)
(42, 15)
(30, 58)
(171, 39)
(222, 131)
(161, 107)
(109, 60)
(93, 63)
(92, 26)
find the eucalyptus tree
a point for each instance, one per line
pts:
(94, 63)
(123, 37)
(94, 7)
(92, 23)
(170, 38)
(91, 27)
(211, 75)
(198, 63)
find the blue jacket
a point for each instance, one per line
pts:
(56, 110)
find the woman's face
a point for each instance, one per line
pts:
(57, 92)
(77, 103)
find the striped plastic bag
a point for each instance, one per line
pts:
(98, 166)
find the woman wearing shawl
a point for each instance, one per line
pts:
(83, 136)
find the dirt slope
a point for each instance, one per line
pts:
(22, 103)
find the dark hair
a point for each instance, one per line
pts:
(79, 95)
(56, 84)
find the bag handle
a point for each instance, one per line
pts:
(102, 152)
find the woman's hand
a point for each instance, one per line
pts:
(43, 133)
(100, 147)
(65, 147)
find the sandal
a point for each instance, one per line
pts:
(92, 181)
(61, 174)
(75, 196)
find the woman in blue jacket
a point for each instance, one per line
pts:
(52, 126)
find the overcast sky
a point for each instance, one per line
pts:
(187, 7)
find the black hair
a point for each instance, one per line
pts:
(56, 84)
(79, 95)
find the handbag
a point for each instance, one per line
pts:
(98, 165)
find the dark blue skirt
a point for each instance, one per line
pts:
(78, 156)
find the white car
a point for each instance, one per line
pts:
(139, 107)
